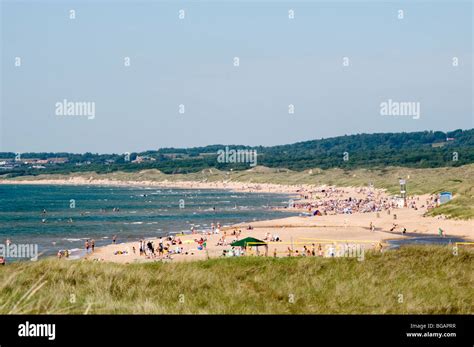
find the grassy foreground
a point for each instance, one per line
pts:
(418, 280)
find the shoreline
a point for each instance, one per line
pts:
(225, 185)
(298, 232)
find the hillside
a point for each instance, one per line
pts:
(425, 149)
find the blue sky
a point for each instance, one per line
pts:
(190, 62)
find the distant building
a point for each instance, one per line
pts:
(400, 202)
(6, 162)
(28, 161)
(142, 159)
(37, 161)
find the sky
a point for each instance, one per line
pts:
(191, 62)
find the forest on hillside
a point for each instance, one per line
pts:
(426, 149)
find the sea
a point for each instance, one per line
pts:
(59, 217)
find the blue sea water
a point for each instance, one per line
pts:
(76, 213)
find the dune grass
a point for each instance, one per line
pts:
(413, 279)
(462, 207)
(419, 181)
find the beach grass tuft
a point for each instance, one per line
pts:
(410, 280)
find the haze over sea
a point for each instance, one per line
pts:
(143, 212)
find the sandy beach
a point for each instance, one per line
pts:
(296, 232)
(234, 186)
(330, 229)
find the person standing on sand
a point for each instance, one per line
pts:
(320, 250)
(441, 232)
(114, 239)
(332, 250)
(160, 248)
(151, 248)
(92, 245)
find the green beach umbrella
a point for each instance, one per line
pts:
(244, 242)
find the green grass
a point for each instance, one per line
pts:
(459, 180)
(431, 279)
(462, 207)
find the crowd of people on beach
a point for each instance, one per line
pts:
(166, 247)
(330, 201)
(323, 201)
